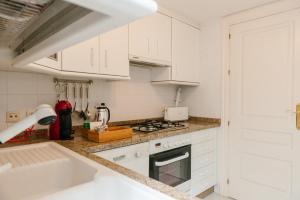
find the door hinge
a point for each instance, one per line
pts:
(228, 123)
(229, 36)
(227, 181)
(229, 72)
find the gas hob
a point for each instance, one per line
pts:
(152, 126)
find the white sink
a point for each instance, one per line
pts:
(49, 171)
(110, 188)
(39, 170)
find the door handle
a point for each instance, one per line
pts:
(118, 158)
(298, 116)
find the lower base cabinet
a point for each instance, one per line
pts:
(204, 161)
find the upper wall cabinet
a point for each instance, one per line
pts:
(185, 68)
(83, 57)
(150, 40)
(114, 52)
(185, 51)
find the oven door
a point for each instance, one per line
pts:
(171, 167)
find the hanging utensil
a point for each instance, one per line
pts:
(75, 97)
(87, 112)
(82, 113)
(57, 90)
(67, 91)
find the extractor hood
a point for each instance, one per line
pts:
(33, 29)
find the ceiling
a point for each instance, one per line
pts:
(202, 10)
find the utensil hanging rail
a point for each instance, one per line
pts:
(56, 81)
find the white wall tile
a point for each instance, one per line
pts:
(128, 100)
(46, 99)
(21, 102)
(21, 83)
(3, 108)
(45, 84)
(3, 82)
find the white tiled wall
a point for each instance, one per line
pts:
(134, 99)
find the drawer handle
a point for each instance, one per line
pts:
(118, 158)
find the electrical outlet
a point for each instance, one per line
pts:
(30, 112)
(13, 117)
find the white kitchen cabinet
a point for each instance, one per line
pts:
(83, 57)
(114, 52)
(150, 40)
(134, 157)
(185, 68)
(204, 160)
(185, 51)
(53, 61)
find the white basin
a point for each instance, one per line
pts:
(49, 171)
(39, 170)
(110, 188)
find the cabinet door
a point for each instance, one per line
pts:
(53, 61)
(83, 57)
(114, 52)
(161, 39)
(185, 52)
(139, 37)
(150, 39)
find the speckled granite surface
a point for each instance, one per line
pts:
(86, 148)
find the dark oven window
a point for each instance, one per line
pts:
(172, 167)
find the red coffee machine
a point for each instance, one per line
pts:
(62, 127)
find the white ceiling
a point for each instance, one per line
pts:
(202, 10)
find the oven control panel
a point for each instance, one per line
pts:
(165, 144)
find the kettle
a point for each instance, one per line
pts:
(103, 115)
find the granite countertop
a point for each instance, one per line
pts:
(86, 148)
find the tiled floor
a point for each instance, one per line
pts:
(215, 196)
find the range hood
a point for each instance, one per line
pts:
(33, 29)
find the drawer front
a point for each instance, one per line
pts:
(204, 173)
(126, 153)
(204, 160)
(203, 178)
(203, 136)
(203, 148)
(201, 186)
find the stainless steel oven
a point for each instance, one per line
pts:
(172, 167)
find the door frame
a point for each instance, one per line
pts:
(276, 7)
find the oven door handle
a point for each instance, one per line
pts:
(160, 164)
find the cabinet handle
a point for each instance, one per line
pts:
(105, 54)
(118, 158)
(148, 45)
(92, 56)
(157, 52)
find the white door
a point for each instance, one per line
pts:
(264, 90)
(185, 52)
(83, 57)
(114, 52)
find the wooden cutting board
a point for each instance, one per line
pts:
(111, 134)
